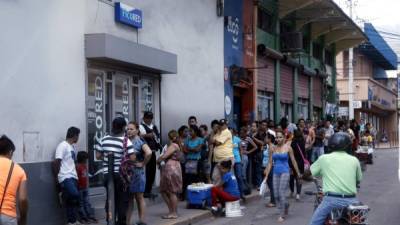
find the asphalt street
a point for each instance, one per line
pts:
(380, 190)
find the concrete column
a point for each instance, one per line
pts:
(310, 98)
(277, 94)
(295, 94)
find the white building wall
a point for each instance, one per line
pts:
(42, 74)
(189, 29)
(43, 66)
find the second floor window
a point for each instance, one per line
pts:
(265, 21)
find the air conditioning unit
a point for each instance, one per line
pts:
(292, 42)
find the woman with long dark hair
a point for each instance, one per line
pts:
(298, 146)
(140, 157)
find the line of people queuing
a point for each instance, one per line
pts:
(228, 158)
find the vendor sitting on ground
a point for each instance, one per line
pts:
(227, 189)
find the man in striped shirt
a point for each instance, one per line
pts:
(114, 144)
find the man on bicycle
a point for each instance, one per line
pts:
(340, 174)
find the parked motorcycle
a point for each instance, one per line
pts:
(352, 214)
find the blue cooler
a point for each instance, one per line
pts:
(199, 196)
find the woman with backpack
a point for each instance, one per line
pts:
(138, 160)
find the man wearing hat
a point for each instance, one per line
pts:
(149, 132)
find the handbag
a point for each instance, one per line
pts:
(125, 169)
(306, 162)
(7, 182)
(263, 187)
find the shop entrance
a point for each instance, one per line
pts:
(111, 94)
(237, 111)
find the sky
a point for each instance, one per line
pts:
(383, 14)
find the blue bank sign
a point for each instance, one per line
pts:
(128, 15)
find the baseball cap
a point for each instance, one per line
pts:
(148, 115)
(223, 122)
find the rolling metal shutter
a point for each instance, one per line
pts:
(302, 86)
(317, 91)
(286, 84)
(266, 77)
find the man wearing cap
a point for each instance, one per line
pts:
(149, 132)
(223, 146)
(116, 144)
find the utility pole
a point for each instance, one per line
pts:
(351, 80)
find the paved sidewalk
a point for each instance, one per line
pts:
(186, 216)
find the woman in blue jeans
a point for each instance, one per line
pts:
(280, 159)
(245, 150)
(140, 157)
(269, 139)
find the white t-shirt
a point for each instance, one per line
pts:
(66, 153)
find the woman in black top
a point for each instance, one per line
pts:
(298, 144)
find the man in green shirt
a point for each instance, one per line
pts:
(340, 174)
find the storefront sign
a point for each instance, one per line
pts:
(357, 104)
(228, 105)
(95, 111)
(128, 15)
(234, 29)
(343, 111)
(125, 99)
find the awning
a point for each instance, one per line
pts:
(378, 50)
(114, 50)
(326, 18)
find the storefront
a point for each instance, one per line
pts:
(303, 96)
(266, 88)
(317, 93)
(286, 89)
(121, 83)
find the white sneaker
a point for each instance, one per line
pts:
(297, 197)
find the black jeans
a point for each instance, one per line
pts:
(291, 184)
(121, 197)
(151, 169)
(257, 169)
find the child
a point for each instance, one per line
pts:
(366, 141)
(225, 191)
(85, 209)
(268, 141)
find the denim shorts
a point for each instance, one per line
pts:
(138, 182)
(7, 220)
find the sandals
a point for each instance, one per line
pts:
(270, 205)
(168, 217)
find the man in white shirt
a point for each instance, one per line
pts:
(66, 173)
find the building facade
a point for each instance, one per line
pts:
(287, 68)
(373, 85)
(73, 63)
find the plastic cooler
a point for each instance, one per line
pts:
(199, 196)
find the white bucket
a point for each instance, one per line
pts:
(233, 209)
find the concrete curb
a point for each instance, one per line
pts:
(206, 213)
